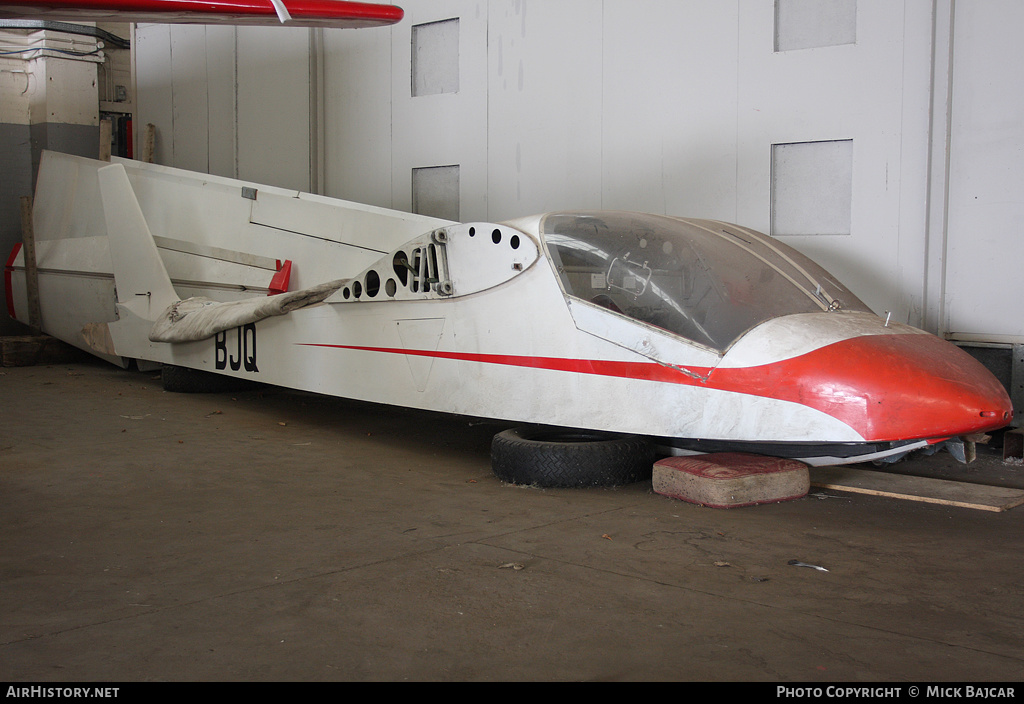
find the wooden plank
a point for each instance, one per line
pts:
(149, 144)
(924, 489)
(106, 134)
(29, 350)
(35, 316)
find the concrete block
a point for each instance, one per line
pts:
(731, 479)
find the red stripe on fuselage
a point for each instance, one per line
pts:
(886, 387)
(629, 370)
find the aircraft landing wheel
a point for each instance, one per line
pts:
(570, 458)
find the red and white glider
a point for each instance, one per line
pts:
(704, 335)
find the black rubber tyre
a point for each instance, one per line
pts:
(184, 380)
(570, 458)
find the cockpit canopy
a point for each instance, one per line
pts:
(706, 281)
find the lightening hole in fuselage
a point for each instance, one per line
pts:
(372, 283)
(401, 266)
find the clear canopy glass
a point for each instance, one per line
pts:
(703, 280)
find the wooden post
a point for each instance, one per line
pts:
(35, 317)
(149, 144)
(1017, 385)
(106, 133)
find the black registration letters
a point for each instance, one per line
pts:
(244, 353)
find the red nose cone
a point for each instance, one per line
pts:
(900, 387)
(889, 387)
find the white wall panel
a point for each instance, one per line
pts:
(847, 92)
(190, 108)
(445, 129)
(669, 107)
(544, 111)
(273, 106)
(154, 89)
(221, 101)
(357, 115)
(984, 286)
(225, 100)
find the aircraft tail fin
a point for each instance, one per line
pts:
(140, 278)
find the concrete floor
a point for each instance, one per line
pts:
(270, 535)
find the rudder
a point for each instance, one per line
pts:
(140, 278)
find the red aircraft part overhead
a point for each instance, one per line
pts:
(304, 13)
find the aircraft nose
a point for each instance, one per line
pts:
(899, 387)
(886, 387)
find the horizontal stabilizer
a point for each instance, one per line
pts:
(201, 318)
(141, 279)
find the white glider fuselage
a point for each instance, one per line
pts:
(542, 320)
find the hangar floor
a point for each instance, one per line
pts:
(271, 535)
